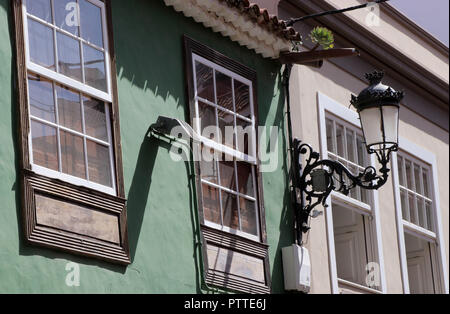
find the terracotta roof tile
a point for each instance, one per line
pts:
(263, 18)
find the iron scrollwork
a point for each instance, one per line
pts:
(316, 179)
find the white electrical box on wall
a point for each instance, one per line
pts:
(296, 268)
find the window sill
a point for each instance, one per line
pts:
(74, 219)
(354, 286)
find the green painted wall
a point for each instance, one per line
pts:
(149, 50)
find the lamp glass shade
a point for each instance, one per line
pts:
(380, 126)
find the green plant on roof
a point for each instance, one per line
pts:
(322, 36)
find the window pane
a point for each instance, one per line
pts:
(69, 108)
(245, 137)
(422, 213)
(428, 209)
(45, 151)
(242, 99)
(41, 9)
(350, 146)
(409, 178)
(208, 125)
(67, 15)
(405, 207)
(205, 82)
(248, 216)
(98, 161)
(224, 91)
(227, 174)
(330, 141)
(209, 171)
(340, 140)
(354, 191)
(42, 104)
(425, 183)
(361, 149)
(41, 45)
(230, 210)
(400, 171)
(94, 68)
(211, 204)
(69, 60)
(95, 118)
(417, 179)
(91, 23)
(226, 127)
(412, 209)
(72, 155)
(245, 178)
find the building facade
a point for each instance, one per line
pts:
(394, 240)
(145, 149)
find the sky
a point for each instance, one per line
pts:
(431, 15)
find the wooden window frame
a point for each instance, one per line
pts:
(427, 158)
(213, 236)
(326, 107)
(34, 184)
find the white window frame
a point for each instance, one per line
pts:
(404, 226)
(251, 159)
(58, 78)
(330, 106)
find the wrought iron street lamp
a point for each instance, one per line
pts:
(378, 109)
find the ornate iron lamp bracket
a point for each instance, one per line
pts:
(316, 179)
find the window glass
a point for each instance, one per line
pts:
(41, 98)
(69, 58)
(414, 186)
(95, 117)
(223, 103)
(72, 155)
(66, 15)
(230, 210)
(41, 47)
(211, 204)
(59, 144)
(44, 143)
(91, 23)
(69, 108)
(205, 81)
(99, 163)
(242, 99)
(79, 56)
(40, 9)
(94, 68)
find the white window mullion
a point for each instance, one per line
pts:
(83, 122)
(58, 136)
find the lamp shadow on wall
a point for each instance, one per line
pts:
(139, 190)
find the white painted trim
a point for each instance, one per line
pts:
(71, 179)
(326, 104)
(359, 287)
(430, 159)
(232, 231)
